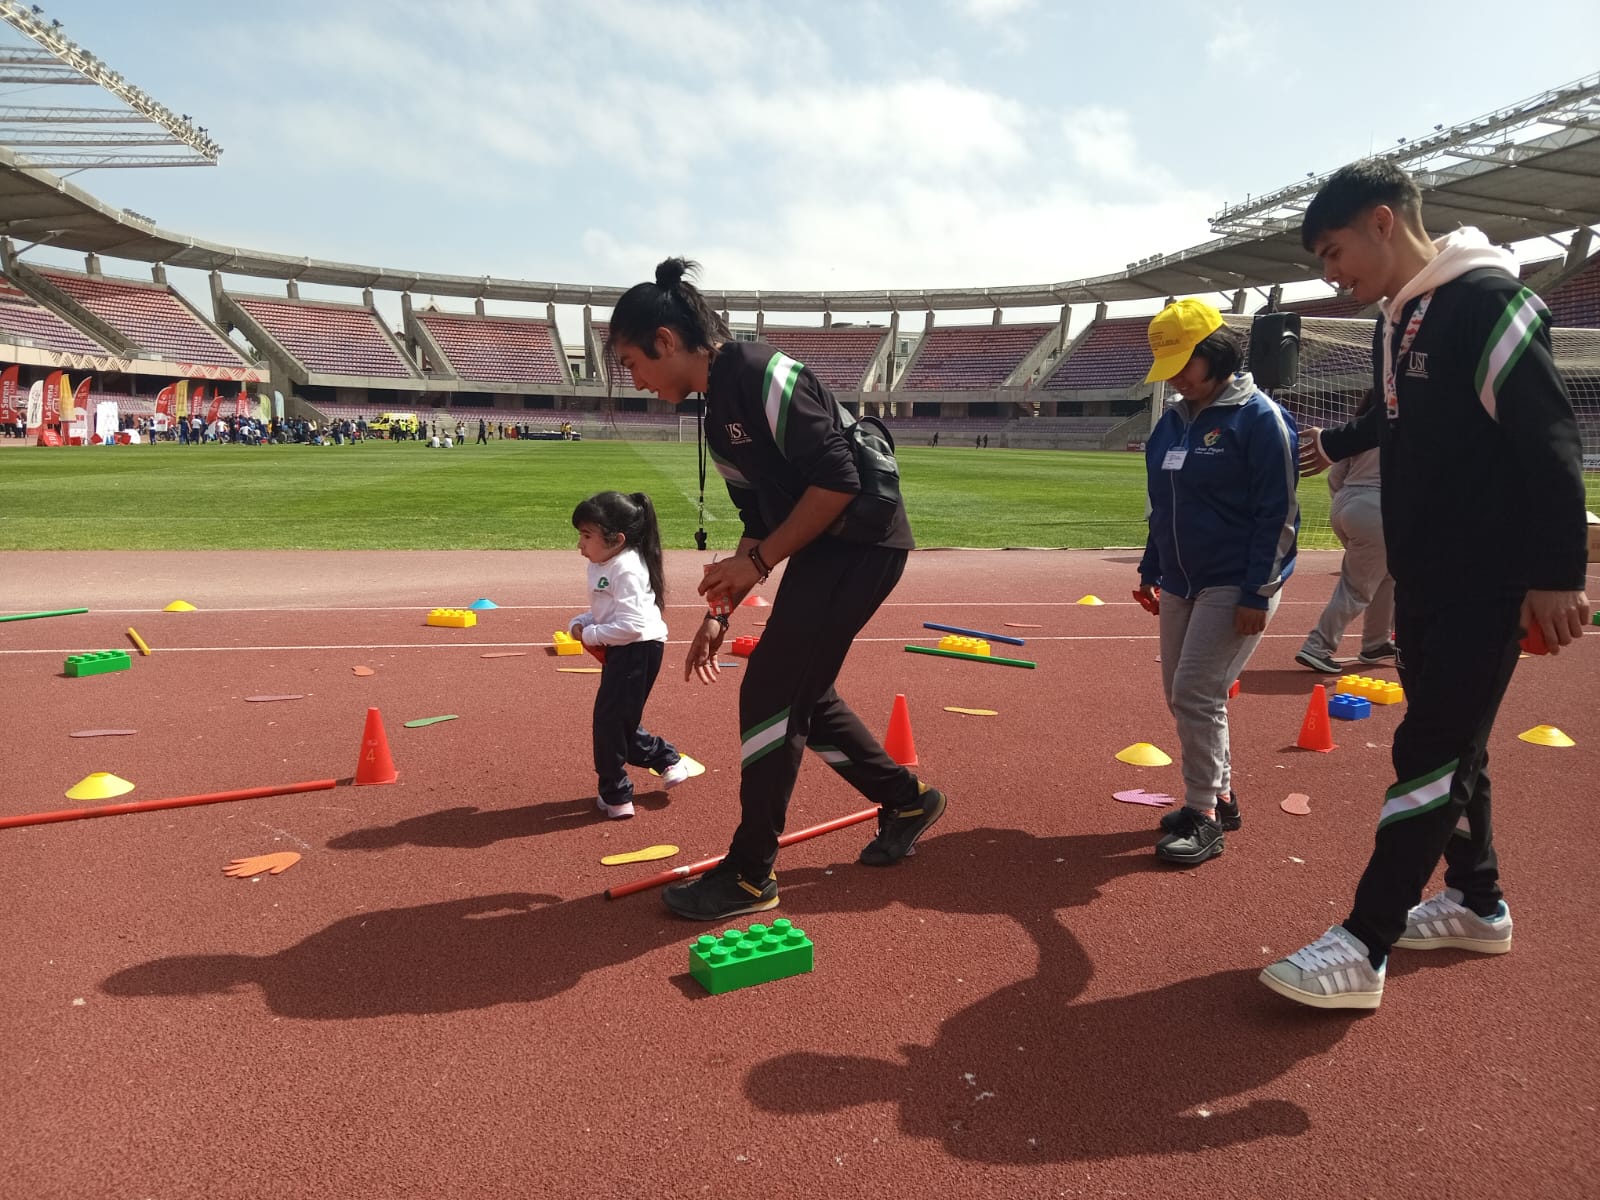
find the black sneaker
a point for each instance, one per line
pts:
(1196, 839)
(1378, 655)
(721, 893)
(899, 828)
(1227, 816)
(1325, 663)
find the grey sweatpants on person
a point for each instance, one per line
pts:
(1364, 584)
(1201, 656)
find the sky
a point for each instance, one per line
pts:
(787, 146)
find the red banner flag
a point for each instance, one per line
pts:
(52, 398)
(80, 401)
(215, 410)
(241, 404)
(9, 404)
(164, 401)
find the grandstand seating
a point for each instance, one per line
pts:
(971, 357)
(624, 377)
(498, 349)
(1114, 353)
(150, 316)
(838, 357)
(330, 339)
(1576, 303)
(1327, 306)
(20, 317)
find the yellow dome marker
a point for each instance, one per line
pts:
(1143, 754)
(632, 856)
(101, 785)
(1092, 601)
(179, 606)
(1546, 735)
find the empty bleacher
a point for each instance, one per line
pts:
(20, 317)
(1327, 306)
(150, 316)
(498, 349)
(329, 339)
(1113, 353)
(622, 378)
(838, 357)
(971, 357)
(1575, 304)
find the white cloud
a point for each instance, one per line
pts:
(1234, 38)
(990, 11)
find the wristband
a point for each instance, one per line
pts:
(719, 618)
(760, 563)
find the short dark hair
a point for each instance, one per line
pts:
(1222, 352)
(1351, 191)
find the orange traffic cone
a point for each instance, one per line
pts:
(898, 744)
(375, 765)
(1316, 733)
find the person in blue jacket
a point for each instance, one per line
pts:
(1222, 465)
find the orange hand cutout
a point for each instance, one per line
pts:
(270, 864)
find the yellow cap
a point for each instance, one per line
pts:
(1174, 333)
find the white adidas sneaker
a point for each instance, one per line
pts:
(1444, 923)
(1332, 972)
(616, 812)
(677, 773)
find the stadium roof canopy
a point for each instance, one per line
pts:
(1526, 171)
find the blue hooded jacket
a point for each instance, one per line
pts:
(1228, 516)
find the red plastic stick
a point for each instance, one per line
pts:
(134, 806)
(705, 864)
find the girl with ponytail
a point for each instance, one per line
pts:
(624, 629)
(776, 435)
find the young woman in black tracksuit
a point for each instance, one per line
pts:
(776, 436)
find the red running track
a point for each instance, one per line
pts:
(436, 1002)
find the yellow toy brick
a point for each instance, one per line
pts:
(566, 644)
(1386, 693)
(963, 645)
(453, 618)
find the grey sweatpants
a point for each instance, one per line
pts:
(1201, 656)
(1364, 584)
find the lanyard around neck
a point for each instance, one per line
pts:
(1391, 387)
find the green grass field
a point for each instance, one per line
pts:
(512, 496)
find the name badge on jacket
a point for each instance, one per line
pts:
(1174, 460)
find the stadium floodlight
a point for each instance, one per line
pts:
(60, 60)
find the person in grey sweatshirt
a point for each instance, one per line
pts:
(1365, 586)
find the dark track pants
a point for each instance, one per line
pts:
(830, 591)
(619, 741)
(1455, 664)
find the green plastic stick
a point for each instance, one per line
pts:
(985, 658)
(421, 721)
(58, 612)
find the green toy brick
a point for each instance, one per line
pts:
(742, 959)
(97, 662)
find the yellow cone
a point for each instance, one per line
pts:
(1546, 735)
(1143, 754)
(179, 606)
(1091, 600)
(102, 785)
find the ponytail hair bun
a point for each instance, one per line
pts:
(670, 272)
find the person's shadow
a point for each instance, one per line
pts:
(1148, 1073)
(513, 948)
(469, 828)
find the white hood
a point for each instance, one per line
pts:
(1466, 249)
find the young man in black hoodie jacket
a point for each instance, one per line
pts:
(1483, 514)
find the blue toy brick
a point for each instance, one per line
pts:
(1349, 708)
(96, 662)
(741, 959)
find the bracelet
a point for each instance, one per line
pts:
(719, 618)
(760, 563)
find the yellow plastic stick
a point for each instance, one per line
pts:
(138, 641)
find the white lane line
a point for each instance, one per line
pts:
(306, 611)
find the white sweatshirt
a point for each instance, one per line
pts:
(622, 605)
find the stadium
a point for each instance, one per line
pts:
(467, 986)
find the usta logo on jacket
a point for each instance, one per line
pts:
(736, 433)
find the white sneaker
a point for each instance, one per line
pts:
(1332, 972)
(617, 812)
(1444, 923)
(675, 774)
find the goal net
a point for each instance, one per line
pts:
(686, 428)
(1336, 370)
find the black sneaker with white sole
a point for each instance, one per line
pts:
(1325, 663)
(1378, 655)
(719, 894)
(899, 828)
(1196, 839)
(1227, 816)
